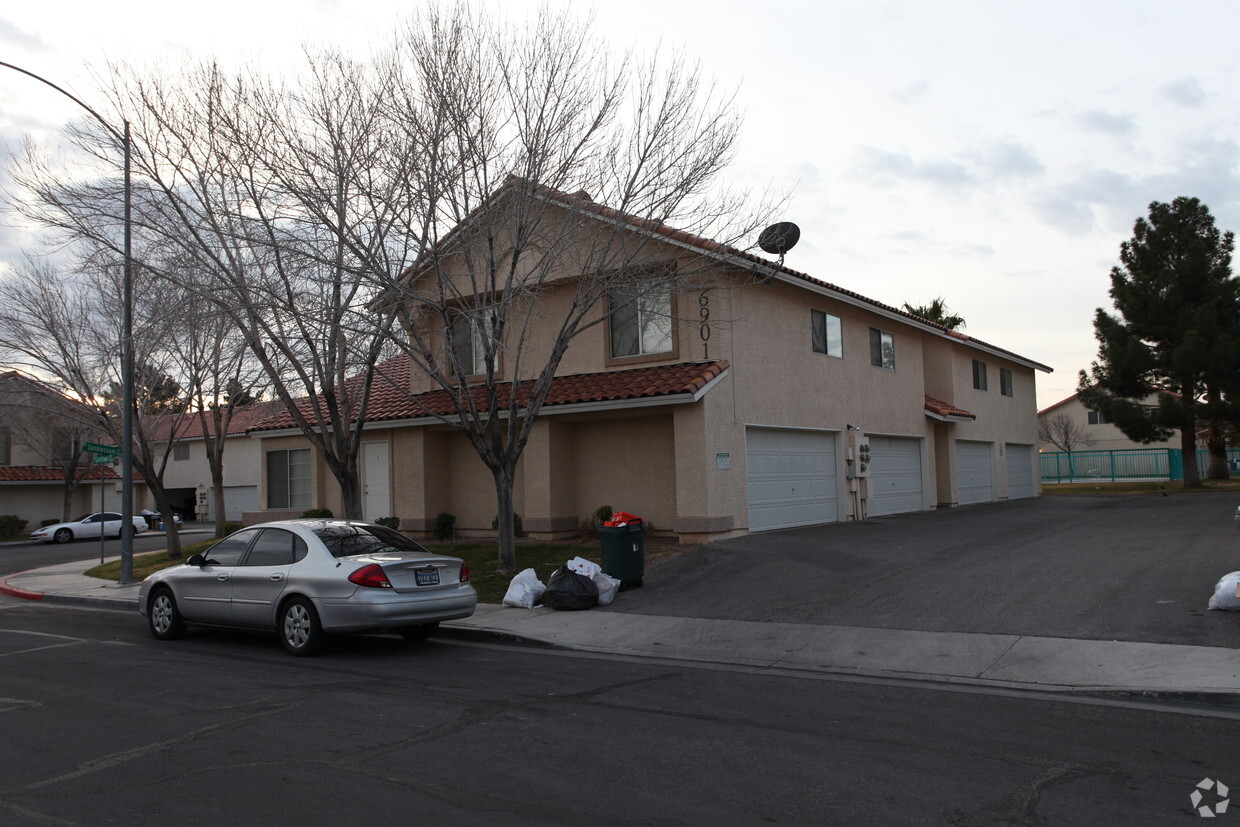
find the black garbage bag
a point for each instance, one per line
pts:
(568, 591)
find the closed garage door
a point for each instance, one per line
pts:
(895, 475)
(974, 480)
(1019, 471)
(791, 477)
(239, 498)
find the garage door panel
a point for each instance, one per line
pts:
(238, 499)
(791, 478)
(895, 483)
(1020, 471)
(974, 475)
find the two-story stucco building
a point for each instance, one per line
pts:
(739, 401)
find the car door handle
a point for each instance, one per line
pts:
(277, 577)
(221, 577)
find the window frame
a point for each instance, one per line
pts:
(6, 446)
(287, 478)
(979, 375)
(1095, 418)
(878, 354)
(478, 319)
(673, 351)
(1006, 387)
(826, 341)
(180, 451)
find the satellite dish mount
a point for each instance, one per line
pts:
(778, 239)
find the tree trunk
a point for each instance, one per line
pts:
(351, 497)
(504, 523)
(217, 496)
(1216, 442)
(1188, 447)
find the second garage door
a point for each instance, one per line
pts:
(792, 478)
(1019, 471)
(974, 477)
(895, 475)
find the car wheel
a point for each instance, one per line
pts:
(164, 617)
(62, 535)
(420, 632)
(300, 631)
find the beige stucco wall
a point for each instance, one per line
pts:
(1105, 437)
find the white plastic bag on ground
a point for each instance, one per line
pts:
(1226, 595)
(524, 590)
(607, 586)
(581, 565)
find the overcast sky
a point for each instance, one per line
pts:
(995, 154)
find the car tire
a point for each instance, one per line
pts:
(164, 617)
(418, 633)
(300, 631)
(62, 535)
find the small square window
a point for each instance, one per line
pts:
(979, 375)
(472, 334)
(641, 320)
(827, 332)
(180, 451)
(1005, 382)
(882, 349)
(1096, 418)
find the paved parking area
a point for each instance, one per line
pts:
(1132, 568)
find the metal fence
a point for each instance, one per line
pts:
(1130, 464)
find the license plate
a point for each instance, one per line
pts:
(426, 577)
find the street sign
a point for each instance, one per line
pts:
(103, 450)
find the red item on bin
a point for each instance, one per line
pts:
(622, 518)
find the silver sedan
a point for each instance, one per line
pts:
(310, 578)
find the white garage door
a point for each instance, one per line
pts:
(239, 498)
(792, 478)
(1019, 471)
(895, 475)
(974, 479)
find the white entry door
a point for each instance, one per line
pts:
(376, 489)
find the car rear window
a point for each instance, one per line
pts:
(348, 540)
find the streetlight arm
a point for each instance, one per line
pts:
(68, 95)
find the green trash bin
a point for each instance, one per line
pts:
(624, 553)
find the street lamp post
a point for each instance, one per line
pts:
(126, 338)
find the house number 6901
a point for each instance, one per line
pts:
(704, 329)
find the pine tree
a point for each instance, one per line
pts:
(1178, 311)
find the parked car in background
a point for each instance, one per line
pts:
(153, 519)
(107, 523)
(306, 579)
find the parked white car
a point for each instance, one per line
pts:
(107, 523)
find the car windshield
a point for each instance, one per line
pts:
(344, 540)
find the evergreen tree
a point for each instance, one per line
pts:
(1178, 311)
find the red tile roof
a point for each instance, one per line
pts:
(189, 426)
(389, 400)
(941, 408)
(50, 473)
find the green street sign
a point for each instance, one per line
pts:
(104, 459)
(103, 450)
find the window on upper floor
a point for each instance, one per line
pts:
(827, 333)
(66, 445)
(288, 478)
(6, 442)
(180, 451)
(979, 375)
(472, 331)
(882, 349)
(1096, 418)
(1005, 381)
(641, 320)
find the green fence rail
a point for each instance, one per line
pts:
(1129, 464)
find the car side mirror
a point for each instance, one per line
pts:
(196, 560)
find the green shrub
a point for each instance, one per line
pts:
(389, 522)
(317, 514)
(445, 526)
(596, 518)
(231, 528)
(11, 525)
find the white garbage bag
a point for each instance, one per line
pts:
(581, 565)
(524, 590)
(1227, 593)
(607, 587)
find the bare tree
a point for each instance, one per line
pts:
(1064, 432)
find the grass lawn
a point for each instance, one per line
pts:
(482, 557)
(1164, 486)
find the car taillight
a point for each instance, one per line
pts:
(464, 572)
(372, 577)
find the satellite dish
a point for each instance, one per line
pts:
(778, 239)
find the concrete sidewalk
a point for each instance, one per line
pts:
(1015, 661)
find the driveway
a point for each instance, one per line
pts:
(1133, 568)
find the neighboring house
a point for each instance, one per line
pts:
(708, 430)
(41, 438)
(187, 475)
(1096, 434)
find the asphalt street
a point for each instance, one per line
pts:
(1134, 568)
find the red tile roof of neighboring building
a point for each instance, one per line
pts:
(390, 401)
(189, 426)
(941, 408)
(50, 473)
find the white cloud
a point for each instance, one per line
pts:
(1107, 123)
(1186, 92)
(11, 35)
